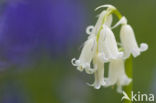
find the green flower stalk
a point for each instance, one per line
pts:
(101, 47)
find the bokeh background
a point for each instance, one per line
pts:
(38, 39)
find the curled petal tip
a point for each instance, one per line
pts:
(105, 6)
(143, 47)
(73, 62)
(89, 30)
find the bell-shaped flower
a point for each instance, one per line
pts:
(129, 42)
(107, 45)
(99, 73)
(117, 75)
(86, 56)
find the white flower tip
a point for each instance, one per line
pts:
(78, 64)
(119, 89)
(105, 6)
(89, 84)
(107, 82)
(89, 30)
(120, 54)
(73, 61)
(102, 57)
(123, 20)
(143, 47)
(135, 53)
(128, 81)
(86, 65)
(90, 70)
(103, 83)
(80, 68)
(96, 86)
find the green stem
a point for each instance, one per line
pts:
(129, 71)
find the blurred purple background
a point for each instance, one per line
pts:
(32, 28)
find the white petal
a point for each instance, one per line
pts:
(103, 47)
(143, 47)
(117, 74)
(119, 89)
(90, 70)
(99, 23)
(86, 55)
(112, 74)
(102, 57)
(129, 42)
(88, 50)
(107, 44)
(109, 20)
(99, 74)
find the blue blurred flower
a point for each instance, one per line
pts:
(29, 28)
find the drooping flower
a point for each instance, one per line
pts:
(117, 75)
(86, 56)
(107, 44)
(99, 73)
(129, 42)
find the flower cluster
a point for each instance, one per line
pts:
(101, 47)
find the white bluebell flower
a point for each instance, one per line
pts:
(107, 45)
(117, 75)
(129, 42)
(86, 56)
